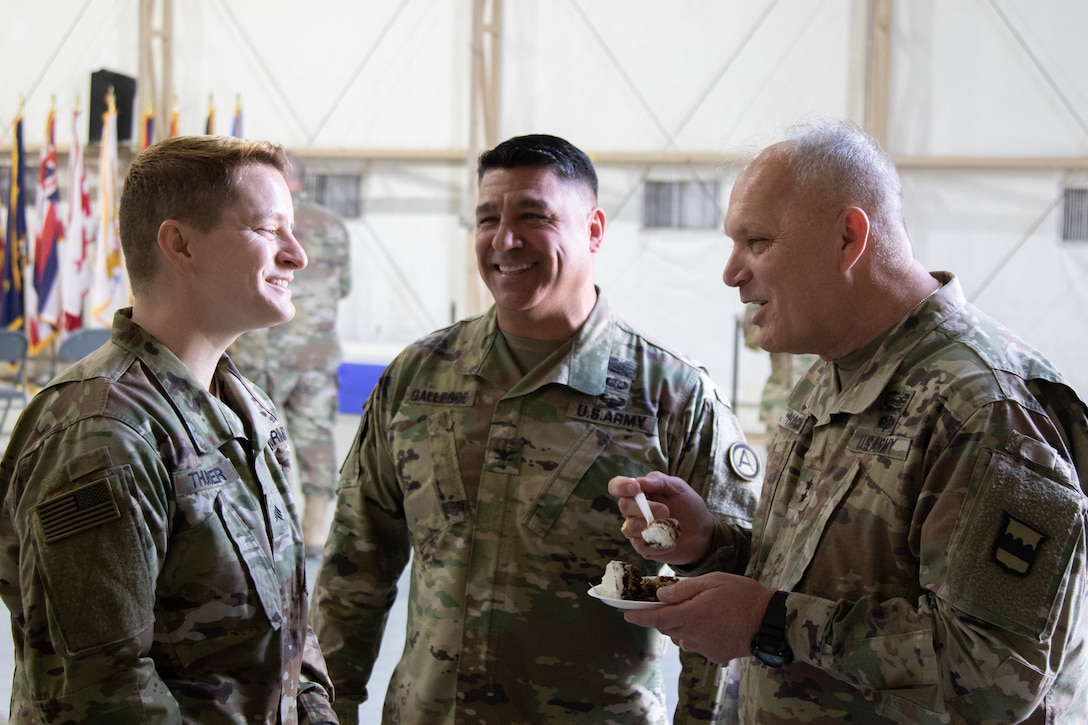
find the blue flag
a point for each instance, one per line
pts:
(12, 301)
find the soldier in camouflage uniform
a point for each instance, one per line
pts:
(484, 454)
(296, 362)
(919, 552)
(150, 550)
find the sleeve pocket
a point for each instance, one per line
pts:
(1009, 559)
(92, 555)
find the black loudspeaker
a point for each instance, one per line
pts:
(124, 90)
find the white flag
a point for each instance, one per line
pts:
(109, 283)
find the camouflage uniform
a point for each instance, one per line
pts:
(929, 520)
(296, 362)
(150, 552)
(496, 484)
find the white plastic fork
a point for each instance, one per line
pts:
(644, 506)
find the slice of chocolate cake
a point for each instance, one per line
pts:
(623, 581)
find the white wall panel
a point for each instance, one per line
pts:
(345, 80)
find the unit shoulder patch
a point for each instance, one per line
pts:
(744, 461)
(1017, 545)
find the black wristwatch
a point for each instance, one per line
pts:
(769, 646)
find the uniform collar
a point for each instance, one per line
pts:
(208, 420)
(886, 358)
(584, 363)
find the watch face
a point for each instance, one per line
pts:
(773, 659)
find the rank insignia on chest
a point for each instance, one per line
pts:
(1017, 545)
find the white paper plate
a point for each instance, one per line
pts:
(622, 603)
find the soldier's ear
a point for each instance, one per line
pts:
(596, 229)
(174, 243)
(853, 224)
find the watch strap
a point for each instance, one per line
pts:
(770, 643)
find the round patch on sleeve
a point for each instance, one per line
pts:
(744, 461)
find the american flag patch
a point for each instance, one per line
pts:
(84, 508)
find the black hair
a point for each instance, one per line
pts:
(567, 160)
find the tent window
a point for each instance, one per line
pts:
(339, 192)
(681, 205)
(1075, 216)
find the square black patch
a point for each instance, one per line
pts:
(1017, 545)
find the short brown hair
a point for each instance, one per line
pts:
(187, 178)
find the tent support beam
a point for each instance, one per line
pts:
(698, 158)
(878, 70)
(156, 80)
(484, 105)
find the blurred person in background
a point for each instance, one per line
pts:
(296, 362)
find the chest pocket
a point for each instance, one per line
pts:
(807, 514)
(429, 470)
(223, 567)
(553, 496)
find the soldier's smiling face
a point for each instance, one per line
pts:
(247, 260)
(536, 235)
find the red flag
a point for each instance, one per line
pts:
(43, 326)
(73, 278)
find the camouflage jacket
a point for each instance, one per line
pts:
(309, 340)
(150, 552)
(495, 483)
(929, 520)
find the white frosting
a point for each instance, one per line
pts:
(661, 534)
(612, 583)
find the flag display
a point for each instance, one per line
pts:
(209, 124)
(147, 128)
(236, 124)
(109, 288)
(74, 248)
(69, 272)
(43, 297)
(174, 120)
(14, 254)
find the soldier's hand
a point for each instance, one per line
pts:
(669, 497)
(716, 615)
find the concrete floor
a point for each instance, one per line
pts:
(392, 644)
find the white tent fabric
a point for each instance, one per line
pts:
(972, 82)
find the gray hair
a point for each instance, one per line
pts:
(836, 158)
